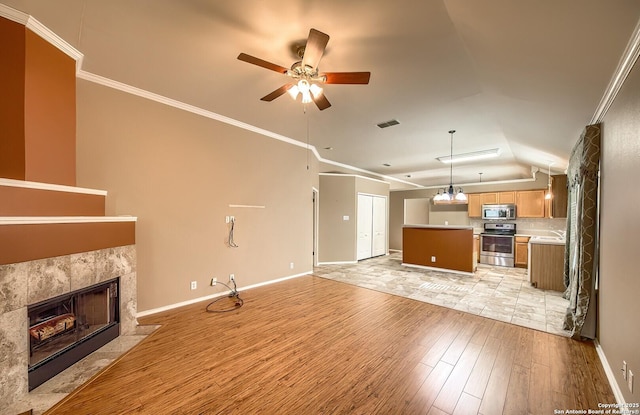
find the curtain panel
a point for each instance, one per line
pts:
(581, 253)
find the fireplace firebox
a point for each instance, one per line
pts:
(67, 328)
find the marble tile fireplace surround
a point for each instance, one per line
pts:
(25, 283)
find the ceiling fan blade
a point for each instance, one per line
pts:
(322, 102)
(314, 49)
(275, 94)
(347, 77)
(257, 61)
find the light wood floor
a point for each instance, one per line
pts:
(315, 346)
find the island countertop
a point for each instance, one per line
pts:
(438, 226)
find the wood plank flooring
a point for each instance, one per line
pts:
(315, 346)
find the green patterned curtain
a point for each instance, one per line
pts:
(581, 262)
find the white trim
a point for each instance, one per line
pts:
(453, 271)
(628, 59)
(13, 14)
(44, 32)
(49, 186)
(611, 377)
(510, 181)
(87, 76)
(248, 206)
(337, 262)
(353, 175)
(37, 220)
(208, 297)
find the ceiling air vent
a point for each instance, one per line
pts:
(388, 123)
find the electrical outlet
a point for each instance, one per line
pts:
(624, 370)
(630, 381)
(194, 285)
(291, 265)
(433, 259)
(232, 277)
(214, 281)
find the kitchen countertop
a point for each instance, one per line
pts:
(439, 226)
(548, 240)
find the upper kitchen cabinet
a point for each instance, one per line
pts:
(476, 200)
(558, 205)
(474, 206)
(530, 204)
(506, 197)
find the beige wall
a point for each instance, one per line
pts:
(416, 211)
(339, 198)
(178, 173)
(619, 308)
(337, 236)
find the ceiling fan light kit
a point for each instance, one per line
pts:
(305, 73)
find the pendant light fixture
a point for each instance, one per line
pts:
(450, 195)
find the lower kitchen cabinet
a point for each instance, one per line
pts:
(521, 257)
(546, 270)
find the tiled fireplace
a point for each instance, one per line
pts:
(33, 282)
(69, 327)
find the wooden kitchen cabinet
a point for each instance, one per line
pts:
(546, 270)
(474, 207)
(558, 205)
(488, 198)
(521, 257)
(530, 204)
(506, 197)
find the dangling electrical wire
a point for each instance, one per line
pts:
(233, 294)
(232, 243)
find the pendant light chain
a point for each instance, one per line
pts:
(451, 165)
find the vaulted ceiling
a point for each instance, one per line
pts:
(522, 76)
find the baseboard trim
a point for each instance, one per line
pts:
(611, 377)
(216, 295)
(338, 263)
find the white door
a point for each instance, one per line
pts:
(364, 227)
(379, 226)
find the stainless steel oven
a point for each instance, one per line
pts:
(497, 244)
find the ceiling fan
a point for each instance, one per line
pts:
(305, 75)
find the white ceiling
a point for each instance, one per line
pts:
(522, 76)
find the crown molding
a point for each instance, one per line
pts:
(13, 14)
(44, 32)
(628, 59)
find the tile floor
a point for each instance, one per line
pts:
(499, 293)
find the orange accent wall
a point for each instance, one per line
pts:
(20, 243)
(50, 113)
(19, 201)
(38, 108)
(12, 75)
(453, 248)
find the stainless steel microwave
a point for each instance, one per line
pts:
(499, 212)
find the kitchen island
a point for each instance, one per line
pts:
(445, 248)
